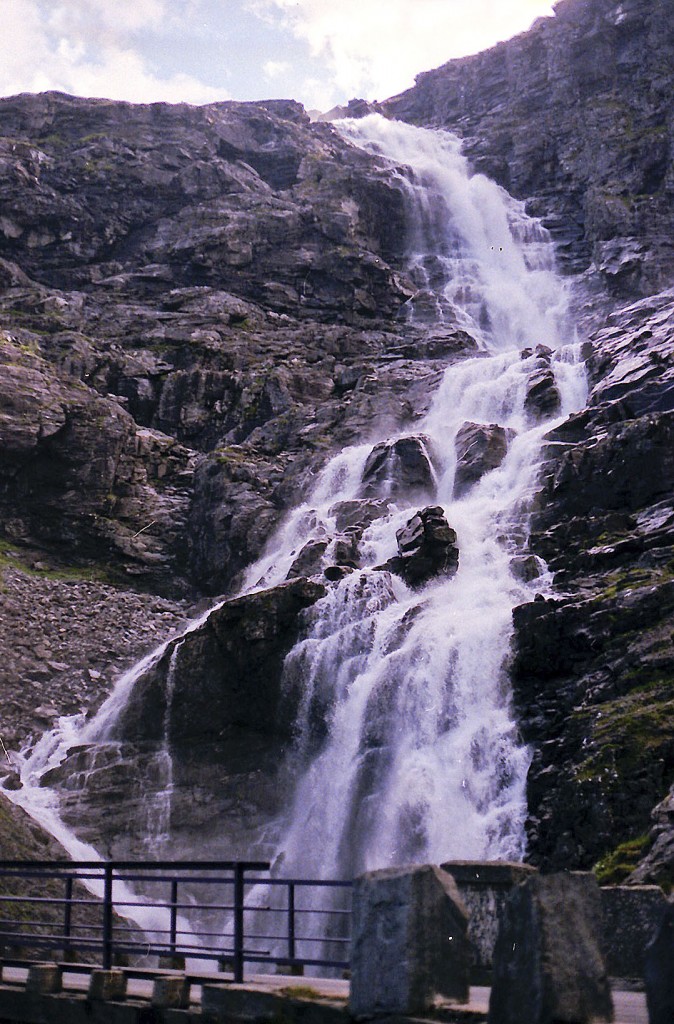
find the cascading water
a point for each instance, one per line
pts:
(406, 749)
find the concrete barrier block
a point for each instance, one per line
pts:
(107, 986)
(44, 979)
(548, 962)
(631, 916)
(484, 887)
(171, 993)
(659, 970)
(409, 943)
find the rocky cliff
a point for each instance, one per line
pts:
(200, 306)
(574, 117)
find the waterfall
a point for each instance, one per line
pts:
(406, 748)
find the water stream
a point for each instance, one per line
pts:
(406, 749)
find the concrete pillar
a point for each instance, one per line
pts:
(107, 986)
(44, 979)
(631, 914)
(484, 887)
(659, 970)
(171, 993)
(548, 963)
(409, 944)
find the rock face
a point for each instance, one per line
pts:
(593, 669)
(658, 865)
(154, 262)
(212, 712)
(199, 306)
(548, 966)
(409, 942)
(574, 117)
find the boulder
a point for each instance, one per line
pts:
(480, 447)
(658, 973)
(548, 965)
(426, 548)
(409, 942)
(396, 468)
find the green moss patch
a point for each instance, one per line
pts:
(615, 867)
(629, 732)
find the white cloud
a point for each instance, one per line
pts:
(86, 47)
(275, 68)
(320, 51)
(376, 47)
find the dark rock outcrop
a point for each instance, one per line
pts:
(426, 548)
(215, 701)
(480, 447)
(542, 398)
(226, 674)
(593, 669)
(399, 468)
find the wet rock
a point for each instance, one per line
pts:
(357, 514)
(227, 673)
(480, 447)
(527, 567)
(548, 965)
(542, 398)
(309, 560)
(426, 548)
(397, 468)
(345, 550)
(409, 943)
(335, 573)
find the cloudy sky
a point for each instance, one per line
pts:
(320, 52)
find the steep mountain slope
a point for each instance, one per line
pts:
(199, 306)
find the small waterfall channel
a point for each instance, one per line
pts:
(405, 745)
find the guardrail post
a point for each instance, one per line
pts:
(107, 917)
(238, 922)
(67, 917)
(173, 926)
(297, 969)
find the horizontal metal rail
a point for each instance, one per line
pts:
(210, 911)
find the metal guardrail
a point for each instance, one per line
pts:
(212, 911)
